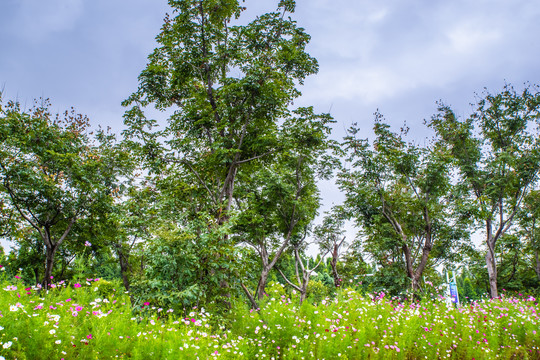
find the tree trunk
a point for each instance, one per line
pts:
(492, 270)
(410, 266)
(333, 263)
(124, 266)
(303, 292)
(262, 282)
(49, 264)
(124, 270)
(537, 264)
(36, 274)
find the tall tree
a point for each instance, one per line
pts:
(399, 191)
(529, 219)
(52, 173)
(497, 153)
(227, 89)
(228, 86)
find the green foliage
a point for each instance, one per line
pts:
(497, 152)
(400, 193)
(105, 288)
(183, 267)
(54, 175)
(232, 144)
(316, 291)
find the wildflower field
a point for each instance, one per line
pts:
(92, 320)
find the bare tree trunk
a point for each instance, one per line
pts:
(537, 264)
(254, 304)
(36, 274)
(124, 268)
(415, 285)
(333, 263)
(303, 292)
(262, 282)
(492, 269)
(49, 264)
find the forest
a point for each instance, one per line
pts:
(208, 204)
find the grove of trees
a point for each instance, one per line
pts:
(220, 194)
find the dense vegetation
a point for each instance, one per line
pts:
(207, 205)
(93, 320)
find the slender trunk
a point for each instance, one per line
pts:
(537, 264)
(409, 266)
(422, 264)
(254, 304)
(262, 282)
(36, 274)
(303, 292)
(49, 264)
(333, 263)
(124, 266)
(492, 269)
(124, 270)
(490, 260)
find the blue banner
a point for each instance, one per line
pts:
(453, 292)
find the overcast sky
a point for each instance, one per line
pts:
(393, 55)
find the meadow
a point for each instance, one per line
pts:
(94, 319)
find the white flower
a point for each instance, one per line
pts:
(58, 342)
(52, 331)
(7, 345)
(13, 308)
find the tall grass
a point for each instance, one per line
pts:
(91, 320)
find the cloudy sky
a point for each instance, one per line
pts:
(396, 56)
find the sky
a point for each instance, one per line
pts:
(398, 57)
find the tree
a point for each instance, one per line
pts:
(399, 192)
(329, 236)
(280, 199)
(498, 158)
(302, 266)
(51, 172)
(529, 224)
(228, 88)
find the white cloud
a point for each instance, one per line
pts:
(470, 38)
(378, 51)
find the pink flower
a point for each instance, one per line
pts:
(89, 336)
(68, 300)
(74, 313)
(77, 285)
(78, 308)
(146, 303)
(17, 277)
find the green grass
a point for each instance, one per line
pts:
(95, 321)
